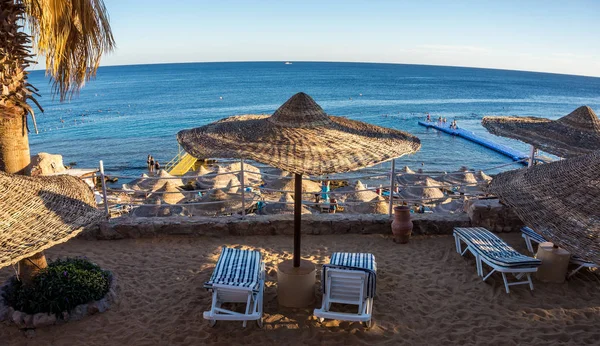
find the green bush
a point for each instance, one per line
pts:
(61, 286)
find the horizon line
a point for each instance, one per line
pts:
(347, 62)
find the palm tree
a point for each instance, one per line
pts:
(72, 35)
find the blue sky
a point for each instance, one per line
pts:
(548, 36)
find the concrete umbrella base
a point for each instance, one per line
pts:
(296, 286)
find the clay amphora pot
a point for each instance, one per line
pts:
(402, 225)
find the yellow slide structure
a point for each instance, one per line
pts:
(186, 162)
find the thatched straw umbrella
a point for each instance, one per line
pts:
(377, 205)
(218, 181)
(157, 207)
(450, 205)
(300, 138)
(361, 194)
(308, 186)
(37, 213)
(251, 173)
(218, 203)
(574, 134)
(284, 206)
(426, 191)
(170, 193)
(145, 183)
(560, 200)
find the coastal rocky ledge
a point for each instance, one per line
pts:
(8, 315)
(484, 213)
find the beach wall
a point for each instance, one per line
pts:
(139, 227)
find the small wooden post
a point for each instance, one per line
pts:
(392, 183)
(243, 188)
(104, 188)
(297, 218)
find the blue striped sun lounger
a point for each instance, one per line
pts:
(354, 261)
(530, 235)
(236, 268)
(349, 278)
(238, 278)
(496, 253)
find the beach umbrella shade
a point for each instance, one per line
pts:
(37, 213)
(360, 194)
(157, 207)
(170, 193)
(287, 185)
(251, 173)
(285, 205)
(151, 184)
(219, 203)
(574, 134)
(301, 138)
(560, 200)
(218, 180)
(378, 205)
(426, 191)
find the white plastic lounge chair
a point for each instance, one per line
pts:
(496, 253)
(531, 236)
(349, 278)
(239, 277)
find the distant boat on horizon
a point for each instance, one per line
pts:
(288, 63)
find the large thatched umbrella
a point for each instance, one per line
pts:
(287, 184)
(574, 134)
(377, 205)
(37, 213)
(284, 206)
(218, 181)
(560, 200)
(219, 203)
(302, 139)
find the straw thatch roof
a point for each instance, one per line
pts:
(37, 213)
(378, 205)
(252, 174)
(361, 194)
(426, 191)
(170, 193)
(301, 138)
(219, 203)
(159, 209)
(450, 205)
(284, 206)
(574, 134)
(308, 186)
(218, 181)
(146, 183)
(560, 200)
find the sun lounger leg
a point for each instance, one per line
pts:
(574, 271)
(490, 274)
(505, 282)
(457, 243)
(530, 282)
(528, 242)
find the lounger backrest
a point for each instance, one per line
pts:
(236, 268)
(346, 286)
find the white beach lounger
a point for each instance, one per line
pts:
(349, 278)
(239, 277)
(496, 253)
(531, 236)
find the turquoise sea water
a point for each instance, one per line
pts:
(129, 112)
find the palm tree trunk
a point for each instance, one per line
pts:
(14, 140)
(14, 144)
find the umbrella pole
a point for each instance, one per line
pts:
(297, 217)
(531, 156)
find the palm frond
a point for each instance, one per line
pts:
(72, 35)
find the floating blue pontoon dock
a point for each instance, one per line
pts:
(502, 149)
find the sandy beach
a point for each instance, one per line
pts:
(427, 294)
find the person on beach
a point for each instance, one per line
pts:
(151, 164)
(325, 189)
(148, 162)
(428, 117)
(454, 124)
(156, 166)
(333, 206)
